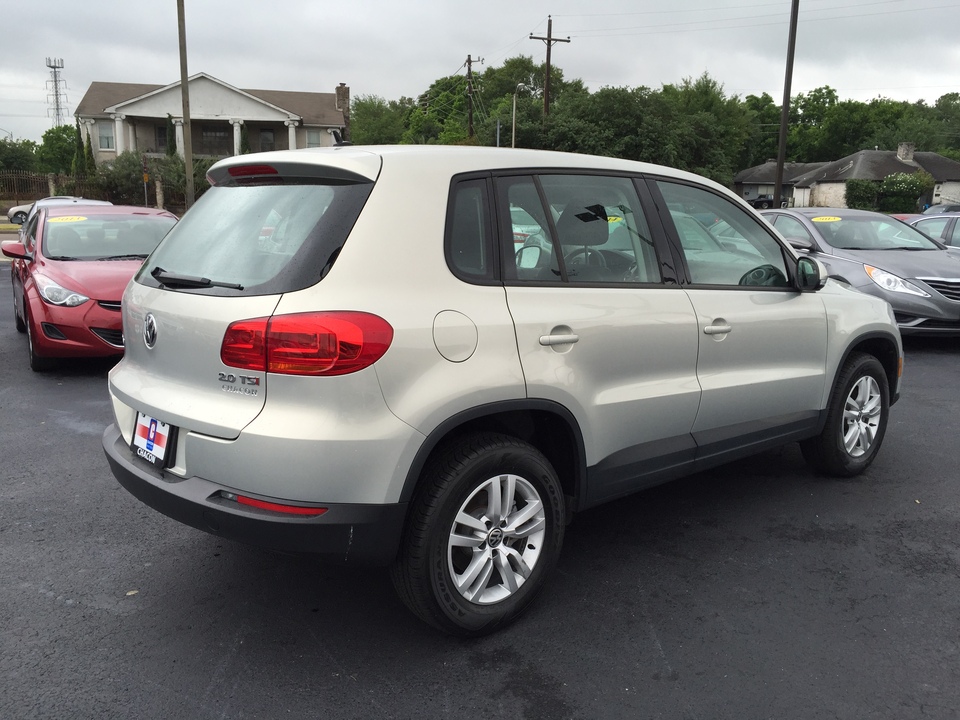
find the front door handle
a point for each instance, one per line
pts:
(717, 329)
(550, 340)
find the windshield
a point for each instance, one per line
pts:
(871, 233)
(259, 239)
(103, 237)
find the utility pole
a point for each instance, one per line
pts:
(785, 110)
(549, 40)
(469, 97)
(185, 98)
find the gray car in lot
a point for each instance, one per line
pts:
(341, 351)
(881, 256)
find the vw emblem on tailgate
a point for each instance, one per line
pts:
(150, 331)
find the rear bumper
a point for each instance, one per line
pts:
(352, 534)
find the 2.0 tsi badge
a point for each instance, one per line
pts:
(150, 331)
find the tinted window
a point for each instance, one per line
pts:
(101, 237)
(468, 245)
(266, 238)
(591, 229)
(744, 254)
(870, 232)
(790, 227)
(933, 227)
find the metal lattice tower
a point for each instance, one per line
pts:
(57, 96)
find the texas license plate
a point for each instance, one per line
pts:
(152, 439)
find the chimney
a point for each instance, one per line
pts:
(343, 104)
(905, 151)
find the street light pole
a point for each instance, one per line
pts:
(513, 121)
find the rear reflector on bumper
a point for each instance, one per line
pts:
(301, 510)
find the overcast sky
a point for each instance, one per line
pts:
(900, 49)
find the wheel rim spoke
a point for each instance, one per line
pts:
(471, 522)
(475, 578)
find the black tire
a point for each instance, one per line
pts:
(856, 420)
(763, 205)
(513, 555)
(19, 218)
(37, 363)
(18, 321)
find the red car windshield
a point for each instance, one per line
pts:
(103, 237)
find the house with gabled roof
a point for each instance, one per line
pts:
(824, 184)
(120, 117)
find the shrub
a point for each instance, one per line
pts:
(862, 194)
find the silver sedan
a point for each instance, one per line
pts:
(881, 256)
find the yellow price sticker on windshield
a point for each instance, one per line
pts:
(826, 218)
(67, 218)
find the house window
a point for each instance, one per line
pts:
(215, 140)
(106, 135)
(313, 138)
(266, 140)
(161, 137)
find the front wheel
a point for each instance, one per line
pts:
(38, 363)
(484, 531)
(18, 321)
(856, 420)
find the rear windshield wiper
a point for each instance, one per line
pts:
(188, 281)
(132, 256)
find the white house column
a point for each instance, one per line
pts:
(236, 134)
(178, 129)
(118, 132)
(291, 133)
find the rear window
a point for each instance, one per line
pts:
(259, 239)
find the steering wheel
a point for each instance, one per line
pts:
(766, 275)
(591, 256)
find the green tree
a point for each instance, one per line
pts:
(89, 161)
(171, 148)
(56, 151)
(78, 166)
(18, 155)
(375, 121)
(763, 116)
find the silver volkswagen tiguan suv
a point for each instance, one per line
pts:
(353, 352)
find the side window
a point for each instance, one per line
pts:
(954, 238)
(468, 234)
(737, 252)
(790, 227)
(30, 233)
(591, 230)
(933, 228)
(532, 255)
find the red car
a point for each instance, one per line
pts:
(69, 270)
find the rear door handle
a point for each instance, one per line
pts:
(550, 340)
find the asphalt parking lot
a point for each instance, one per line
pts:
(757, 590)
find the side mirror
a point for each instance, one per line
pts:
(802, 244)
(528, 256)
(811, 274)
(15, 250)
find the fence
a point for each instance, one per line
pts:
(18, 187)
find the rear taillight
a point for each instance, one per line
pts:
(321, 343)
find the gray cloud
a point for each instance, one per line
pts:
(900, 49)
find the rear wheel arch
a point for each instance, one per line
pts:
(546, 426)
